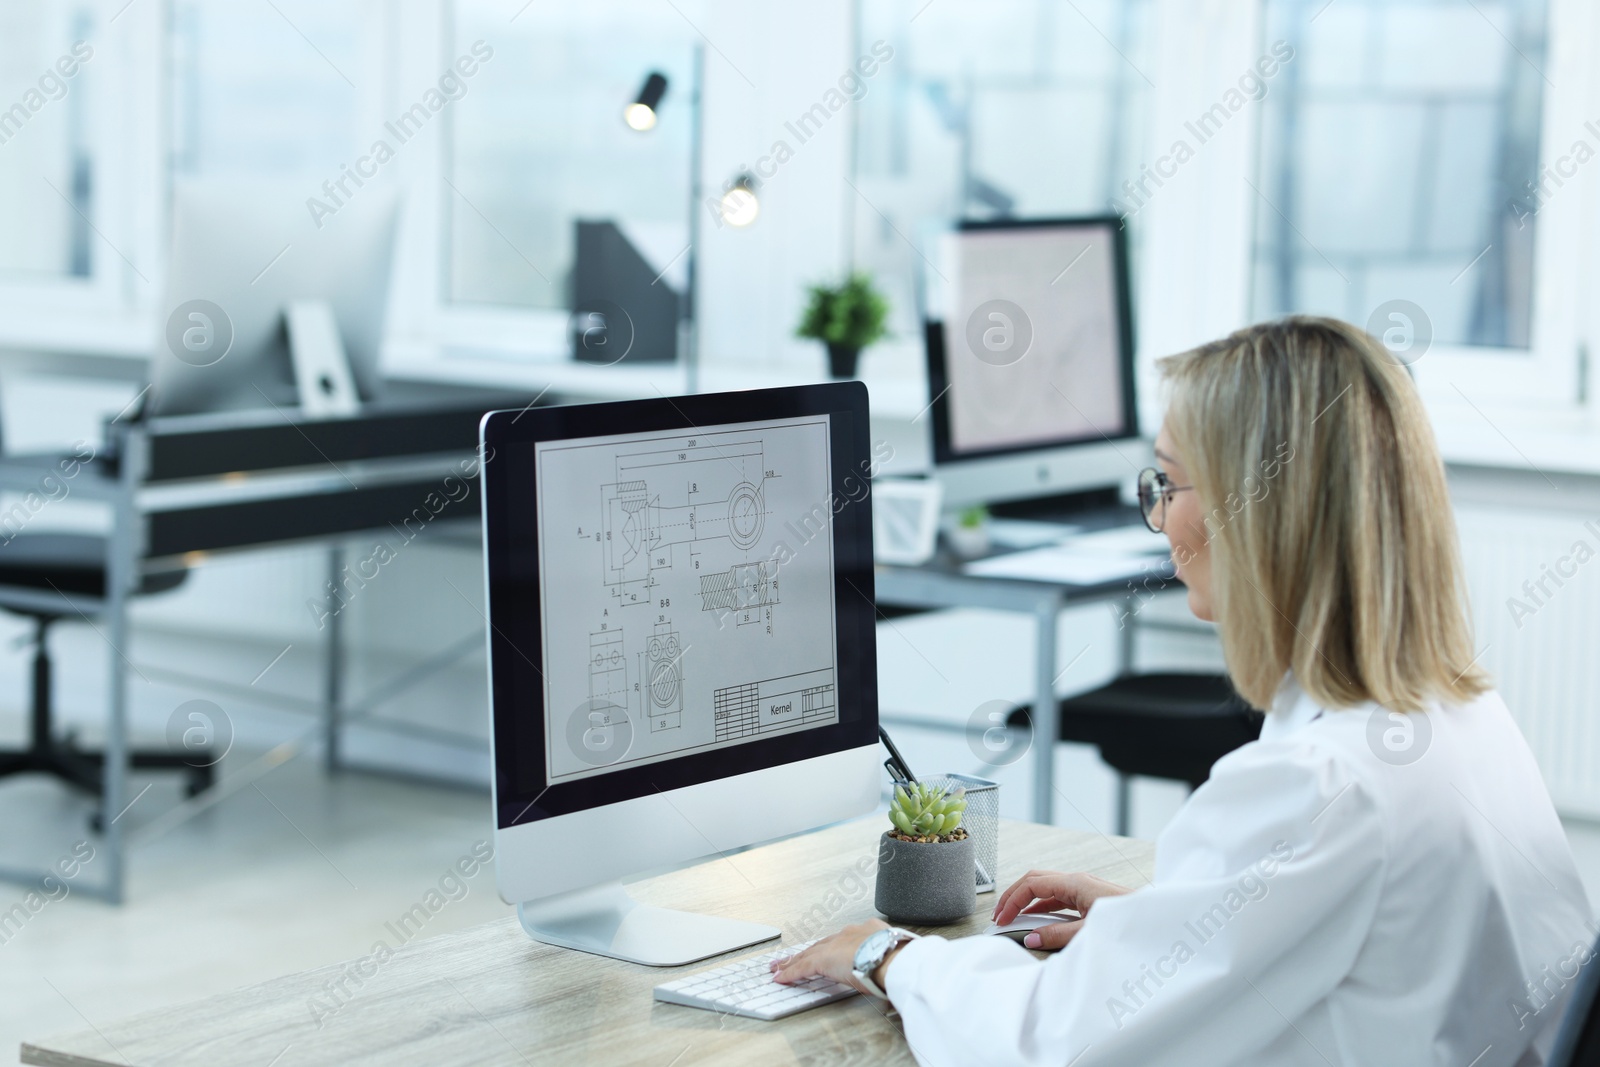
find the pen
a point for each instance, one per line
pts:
(899, 770)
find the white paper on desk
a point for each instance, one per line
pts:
(1027, 533)
(1059, 563)
(1129, 540)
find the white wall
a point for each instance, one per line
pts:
(752, 279)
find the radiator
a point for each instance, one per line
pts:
(1536, 605)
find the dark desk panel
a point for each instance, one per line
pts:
(215, 527)
(403, 424)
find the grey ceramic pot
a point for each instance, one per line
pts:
(926, 882)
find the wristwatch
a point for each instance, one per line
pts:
(878, 945)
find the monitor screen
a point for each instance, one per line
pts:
(665, 547)
(680, 591)
(1035, 347)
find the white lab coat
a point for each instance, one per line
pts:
(1314, 903)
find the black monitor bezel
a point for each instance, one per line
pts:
(936, 352)
(515, 625)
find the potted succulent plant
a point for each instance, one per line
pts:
(969, 534)
(847, 318)
(925, 860)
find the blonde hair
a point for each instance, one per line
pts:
(1333, 544)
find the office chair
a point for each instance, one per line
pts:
(1578, 1037)
(73, 564)
(1166, 725)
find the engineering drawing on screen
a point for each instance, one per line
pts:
(693, 575)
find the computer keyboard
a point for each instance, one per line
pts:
(745, 987)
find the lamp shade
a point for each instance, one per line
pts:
(641, 114)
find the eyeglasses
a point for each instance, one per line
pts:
(1155, 493)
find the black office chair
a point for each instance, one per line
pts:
(74, 564)
(1578, 1037)
(1171, 725)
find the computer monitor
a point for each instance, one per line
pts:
(681, 647)
(241, 254)
(1030, 360)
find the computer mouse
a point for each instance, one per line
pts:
(1015, 935)
(1027, 923)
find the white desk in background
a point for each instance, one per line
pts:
(1121, 553)
(1041, 593)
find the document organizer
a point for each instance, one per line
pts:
(981, 819)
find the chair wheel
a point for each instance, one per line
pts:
(194, 787)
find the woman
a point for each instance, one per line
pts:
(1381, 878)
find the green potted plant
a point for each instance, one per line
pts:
(969, 536)
(847, 318)
(926, 871)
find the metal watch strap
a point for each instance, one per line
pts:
(901, 937)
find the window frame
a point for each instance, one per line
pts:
(102, 311)
(1547, 373)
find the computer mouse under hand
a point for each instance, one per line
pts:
(1028, 922)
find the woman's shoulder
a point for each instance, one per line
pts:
(1381, 765)
(1306, 793)
(1369, 737)
(1318, 773)
(1302, 769)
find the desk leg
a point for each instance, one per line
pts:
(121, 565)
(1124, 805)
(333, 663)
(1046, 712)
(114, 771)
(1127, 619)
(1127, 616)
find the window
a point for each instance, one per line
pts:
(994, 107)
(268, 90)
(1399, 160)
(542, 144)
(1416, 150)
(47, 174)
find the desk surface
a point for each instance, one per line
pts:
(490, 995)
(944, 582)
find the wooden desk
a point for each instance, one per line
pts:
(490, 995)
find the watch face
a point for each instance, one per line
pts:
(872, 950)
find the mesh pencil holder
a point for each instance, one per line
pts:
(982, 821)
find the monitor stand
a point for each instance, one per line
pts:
(321, 368)
(1072, 507)
(607, 921)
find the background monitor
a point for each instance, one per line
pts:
(241, 252)
(1030, 359)
(681, 646)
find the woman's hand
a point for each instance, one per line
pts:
(833, 957)
(1039, 891)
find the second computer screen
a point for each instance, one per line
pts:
(1033, 337)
